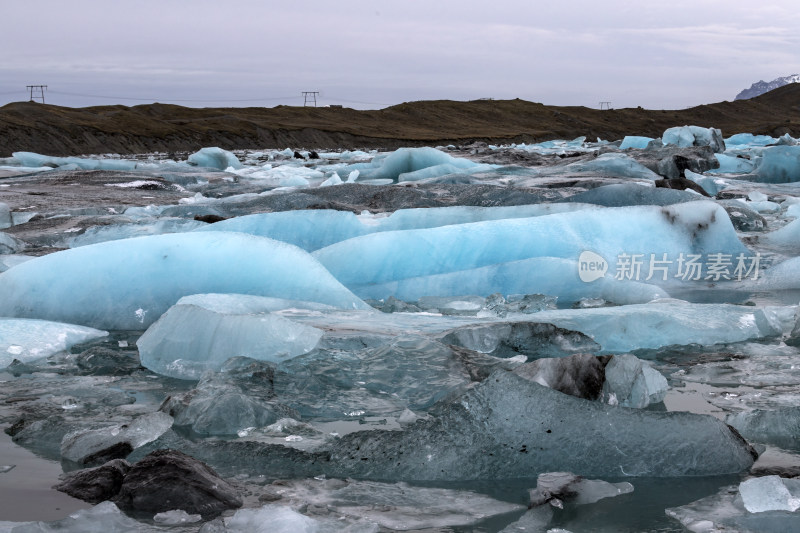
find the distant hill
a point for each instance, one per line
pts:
(54, 130)
(761, 87)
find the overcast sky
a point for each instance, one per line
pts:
(369, 54)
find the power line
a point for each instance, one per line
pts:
(107, 97)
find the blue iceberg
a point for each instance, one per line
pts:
(128, 284)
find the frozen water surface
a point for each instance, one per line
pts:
(424, 410)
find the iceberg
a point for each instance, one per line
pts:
(729, 164)
(665, 323)
(127, 284)
(404, 164)
(689, 228)
(394, 506)
(518, 428)
(778, 164)
(10, 245)
(730, 508)
(633, 141)
(28, 340)
(770, 493)
(30, 159)
(631, 382)
(273, 518)
(315, 229)
(199, 333)
(215, 158)
(97, 446)
(685, 136)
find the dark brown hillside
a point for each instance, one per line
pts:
(58, 130)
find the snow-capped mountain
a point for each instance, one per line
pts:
(762, 86)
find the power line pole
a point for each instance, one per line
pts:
(37, 91)
(310, 96)
(605, 105)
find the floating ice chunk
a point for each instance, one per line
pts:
(685, 136)
(712, 185)
(408, 160)
(199, 334)
(633, 382)
(436, 171)
(632, 194)
(27, 340)
(612, 164)
(334, 179)
(5, 216)
(770, 493)
(315, 229)
(176, 518)
(30, 159)
(725, 511)
(748, 139)
(395, 506)
(693, 227)
(780, 427)
(102, 518)
(535, 520)
(97, 234)
(280, 519)
(664, 323)
(732, 165)
(519, 428)
(633, 141)
(10, 245)
(785, 275)
(575, 489)
(96, 446)
(128, 284)
(787, 236)
(214, 158)
(779, 164)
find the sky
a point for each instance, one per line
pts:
(372, 54)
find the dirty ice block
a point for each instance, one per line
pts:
(508, 427)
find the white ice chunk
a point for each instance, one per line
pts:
(634, 141)
(201, 332)
(9, 244)
(280, 519)
(633, 382)
(770, 493)
(5, 216)
(79, 445)
(28, 340)
(215, 158)
(409, 160)
(395, 506)
(128, 284)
